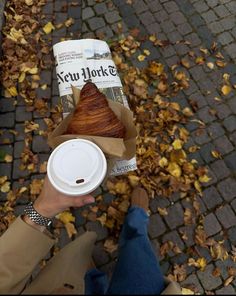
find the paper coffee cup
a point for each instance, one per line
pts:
(76, 167)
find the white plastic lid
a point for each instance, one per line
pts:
(76, 167)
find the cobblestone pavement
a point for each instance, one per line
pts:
(201, 22)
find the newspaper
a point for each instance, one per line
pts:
(78, 61)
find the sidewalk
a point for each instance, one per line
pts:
(200, 22)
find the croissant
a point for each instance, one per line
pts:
(93, 116)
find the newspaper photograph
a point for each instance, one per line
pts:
(79, 61)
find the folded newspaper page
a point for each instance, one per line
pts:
(78, 61)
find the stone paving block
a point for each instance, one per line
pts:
(7, 105)
(140, 6)
(179, 259)
(7, 120)
(229, 290)
(168, 51)
(232, 235)
(156, 226)
(98, 228)
(174, 237)
(205, 152)
(223, 145)
(209, 16)
(232, 105)
(228, 23)
(171, 6)
(223, 111)
(206, 278)
(173, 36)
(19, 128)
(193, 284)
(165, 267)
(5, 169)
(161, 16)
(45, 93)
(17, 172)
(22, 114)
(178, 18)
(187, 234)
(60, 17)
(196, 20)
(212, 3)
(182, 49)
(215, 130)
(211, 197)
(196, 72)
(233, 205)
(59, 5)
(197, 157)
(167, 26)
(184, 29)
(223, 265)
(205, 115)
(112, 17)
(158, 202)
(175, 216)
(220, 169)
(230, 49)
(100, 8)
(201, 6)
(74, 12)
(230, 123)
(227, 188)
(48, 8)
(230, 161)
(201, 137)
(226, 216)
(99, 255)
(96, 23)
(6, 137)
(106, 32)
(39, 144)
(25, 196)
(18, 149)
(225, 38)
(154, 6)
(211, 225)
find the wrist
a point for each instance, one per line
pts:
(27, 220)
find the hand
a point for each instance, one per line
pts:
(51, 202)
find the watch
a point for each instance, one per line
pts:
(36, 217)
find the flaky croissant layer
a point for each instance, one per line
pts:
(93, 116)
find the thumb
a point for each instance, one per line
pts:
(81, 201)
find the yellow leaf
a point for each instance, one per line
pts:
(12, 91)
(5, 187)
(3, 179)
(23, 189)
(21, 77)
(210, 65)
(141, 57)
(70, 229)
(228, 280)
(174, 169)
(187, 112)
(69, 22)
(152, 38)
(216, 154)
(66, 217)
(226, 89)
(202, 263)
(204, 179)
(29, 2)
(33, 71)
(133, 180)
(185, 63)
(163, 162)
(162, 211)
(8, 158)
(200, 60)
(146, 52)
(177, 144)
(44, 86)
(198, 186)
(186, 291)
(48, 28)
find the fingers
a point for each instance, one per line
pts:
(81, 201)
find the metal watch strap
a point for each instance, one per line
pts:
(36, 217)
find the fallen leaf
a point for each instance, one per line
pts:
(48, 28)
(216, 154)
(228, 281)
(162, 211)
(186, 291)
(8, 158)
(66, 217)
(5, 187)
(110, 245)
(141, 57)
(226, 89)
(177, 144)
(174, 169)
(210, 65)
(70, 229)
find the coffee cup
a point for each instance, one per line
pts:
(76, 167)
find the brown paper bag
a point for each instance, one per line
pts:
(112, 147)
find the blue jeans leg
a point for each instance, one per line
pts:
(137, 270)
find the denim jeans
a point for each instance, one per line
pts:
(137, 270)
